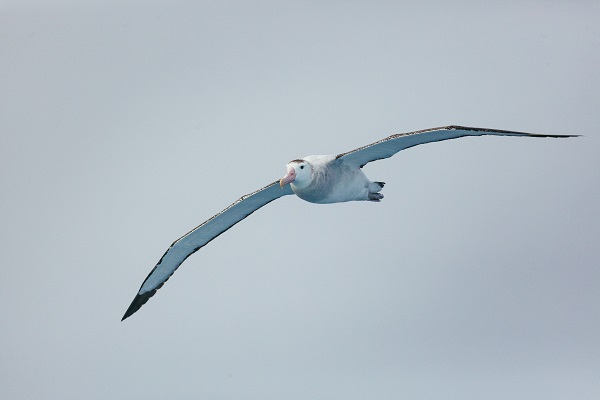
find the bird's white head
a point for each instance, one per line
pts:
(299, 172)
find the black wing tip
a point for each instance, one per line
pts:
(137, 303)
(469, 128)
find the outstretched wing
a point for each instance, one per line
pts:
(391, 145)
(200, 236)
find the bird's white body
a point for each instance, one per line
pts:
(331, 180)
(317, 179)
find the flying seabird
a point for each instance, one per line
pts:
(317, 179)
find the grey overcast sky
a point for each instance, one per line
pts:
(125, 124)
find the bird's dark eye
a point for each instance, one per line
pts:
(302, 167)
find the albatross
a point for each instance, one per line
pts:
(316, 179)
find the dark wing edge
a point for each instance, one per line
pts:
(467, 131)
(276, 192)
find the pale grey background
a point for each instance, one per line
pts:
(124, 125)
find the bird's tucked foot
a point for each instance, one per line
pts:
(375, 196)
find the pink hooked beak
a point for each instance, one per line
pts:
(288, 178)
